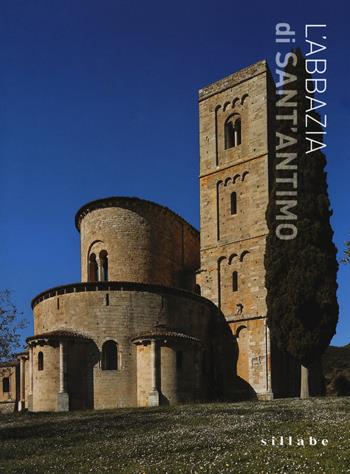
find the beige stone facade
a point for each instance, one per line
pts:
(234, 186)
(134, 331)
(163, 314)
(9, 387)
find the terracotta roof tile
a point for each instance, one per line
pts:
(60, 333)
(165, 332)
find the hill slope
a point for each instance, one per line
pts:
(215, 438)
(336, 362)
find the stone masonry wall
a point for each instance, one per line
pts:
(145, 243)
(128, 314)
(46, 381)
(233, 243)
(9, 372)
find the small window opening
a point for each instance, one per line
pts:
(40, 361)
(238, 131)
(107, 299)
(93, 269)
(109, 356)
(179, 360)
(104, 265)
(232, 132)
(204, 362)
(234, 281)
(233, 203)
(5, 385)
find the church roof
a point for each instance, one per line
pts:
(118, 201)
(58, 334)
(9, 363)
(161, 332)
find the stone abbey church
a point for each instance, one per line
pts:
(164, 314)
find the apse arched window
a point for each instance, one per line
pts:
(93, 269)
(5, 385)
(204, 362)
(109, 356)
(179, 360)
(234, 281)
(40, 361)
(232, 131)
(233, 203)
(104, 265)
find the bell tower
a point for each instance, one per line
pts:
(235, 151)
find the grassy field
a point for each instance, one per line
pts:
(206, 438)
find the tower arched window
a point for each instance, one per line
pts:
(110, 356)
(232, 131)
(238, 131)
(40, 361)
(233, 203)
(234, 281)
(5, 385)
(104, 265)
(93, 268)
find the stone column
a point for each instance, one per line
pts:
(100, 270)
(22, 380)
(197, 374)
(268, 364)
(21, 402)
(153, 398)
(30, 393)
(30, 371)
(153, 366)
(62, 384)
(62, 396)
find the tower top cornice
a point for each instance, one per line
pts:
(234, 79)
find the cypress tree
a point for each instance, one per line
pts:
(302, 308)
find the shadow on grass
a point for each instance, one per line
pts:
(48, 425)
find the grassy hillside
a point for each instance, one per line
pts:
(336, 361)
(212, 438)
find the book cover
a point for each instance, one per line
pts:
(175, 237)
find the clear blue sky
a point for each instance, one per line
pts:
(99, 98)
